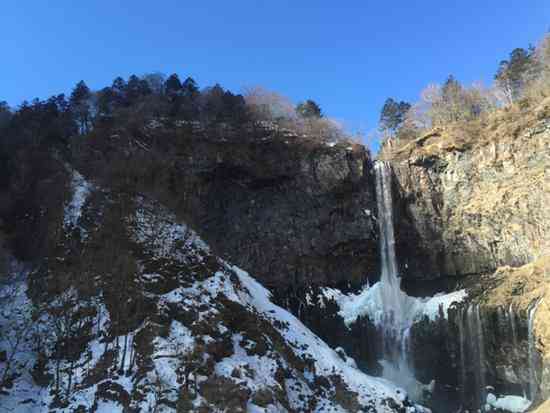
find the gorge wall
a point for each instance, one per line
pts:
(472, 213)
(295, 210)
(474, 197)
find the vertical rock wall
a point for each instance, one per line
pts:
(469, 204)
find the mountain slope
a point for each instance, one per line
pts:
(134, 313)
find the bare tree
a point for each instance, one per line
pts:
(267, 105)
(539, 82)
(440, 105)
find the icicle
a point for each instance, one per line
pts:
(462, 342)
(476, 351)
(533, 379)
(482, 363)
(512, 317)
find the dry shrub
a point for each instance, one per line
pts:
(277, 112)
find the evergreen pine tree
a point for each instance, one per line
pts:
(309, 109)
(393, 114)
(119, 92)
(173, 86)
(79, 104)
(513, 74)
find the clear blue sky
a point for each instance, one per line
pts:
(347, 55)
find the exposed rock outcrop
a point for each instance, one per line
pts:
(299, 214)
(526, 289)
(474, 197)
(471, 212)
(295, 210)
(497, 338)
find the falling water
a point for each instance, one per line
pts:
(385, 223)
(511, 317)
(397, 307)
(513, 328)
(481, 352)
(533, 379)
(462, 344)
(473, 365)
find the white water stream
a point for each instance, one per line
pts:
(398, 310)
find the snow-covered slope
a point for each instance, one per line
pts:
(199, 335)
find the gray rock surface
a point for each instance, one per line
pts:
(295, 213)
(467, 205)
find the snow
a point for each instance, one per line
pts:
(16, 329)
(442, 302)
(158, 229)
(264, 368)
(512, 404)
(168, 352)
(159, 232)
(329, 294)
(306, 343)
(107, 406)
(367, 302)
(297, 393)
(349, 360)
(81, 189)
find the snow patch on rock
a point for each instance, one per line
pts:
(306, 343)
(367, 302)
(509, 403)
(81, 189)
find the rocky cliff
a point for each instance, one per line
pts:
(127, 309)
(295, 210)
(474, 197)
(471, 209)
(527, 289)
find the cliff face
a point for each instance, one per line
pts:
(296, 211)
(526, 288)
(472, 199)
(472, 207)
(297, 214)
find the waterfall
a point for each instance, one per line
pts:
(462, 345)
(397, 309)
(482, 363)
(385, 224)
(533, 379)
(393, 313)
(511, 317)
(473, 364)
(513, 328)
